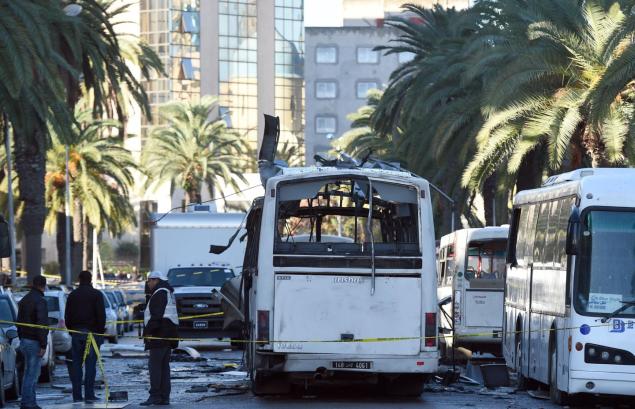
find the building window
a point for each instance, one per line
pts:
(325, 124)
(187, 70)
(364, 86)
(366, 55)
(405, 57)
(189, 22)
(326, 54)
(325, 89)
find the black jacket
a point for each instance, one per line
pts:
(85, 310)
(32, 309)
(157, 325)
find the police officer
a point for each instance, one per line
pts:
(160, 331)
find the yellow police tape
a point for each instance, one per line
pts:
(92, 343)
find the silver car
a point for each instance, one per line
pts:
(56, 301)
(111, 320)
(9, 376)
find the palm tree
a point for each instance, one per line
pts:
(362, 139)
(51, 59)
(568, 92)
(191, 151)
(431, 107)
(100, 180)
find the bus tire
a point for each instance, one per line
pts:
(523, 382)
(556, 395)
(404, 385)
(264, 384)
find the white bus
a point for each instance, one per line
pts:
(339, 280)
(570, 284)
(471, 268)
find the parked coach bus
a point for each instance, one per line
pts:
(570, 284)
(471, 268)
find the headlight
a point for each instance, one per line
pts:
(599, 354)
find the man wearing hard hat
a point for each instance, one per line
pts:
(160, 336)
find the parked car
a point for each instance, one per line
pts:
(10, 375)
(48, 360)
(125, 308)
(111, 320)
(120, 310)
(56, 301)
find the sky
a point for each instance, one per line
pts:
(322, 13)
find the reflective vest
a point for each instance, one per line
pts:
(170, 308)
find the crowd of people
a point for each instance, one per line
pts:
(85, 320)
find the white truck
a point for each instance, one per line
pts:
(180, 246)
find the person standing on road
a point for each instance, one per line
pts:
(32, 310)
(160, 321)
(85, 312)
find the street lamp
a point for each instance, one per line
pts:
(71, 10)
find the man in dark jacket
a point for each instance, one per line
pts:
(160, 321)
(32, 310)
(85, 312)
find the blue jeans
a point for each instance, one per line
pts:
(32, 364)
(77, 375)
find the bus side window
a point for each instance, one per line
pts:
(551, 249)
(513, 237)
(532, 218)
(521, 235)
(541, 233)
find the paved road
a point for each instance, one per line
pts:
(215, 381)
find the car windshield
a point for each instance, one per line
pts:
(106, 301)
(486, 260)
(52, 302)
(606, 274)
(199, 276)
(6, 313)
(329, 216)
(112, 298)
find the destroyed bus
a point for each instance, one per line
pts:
(471, 277)
(354, 297)
(570, 288)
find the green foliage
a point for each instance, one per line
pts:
(127, 250)
(100, 171)
(503, 93)
(191, 151)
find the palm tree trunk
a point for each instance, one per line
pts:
(193, 195)
(60, 239)
(594, 148)
(30, 164)
(86, 244)
(489, 197)
(76, 246)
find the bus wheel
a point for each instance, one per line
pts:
(405, 385)
(522, 381)
(270, 384)
(556, 395)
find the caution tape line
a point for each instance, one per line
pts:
(361, 340)
(190, 317)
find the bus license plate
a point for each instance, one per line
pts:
(352, 364)
(200, 324)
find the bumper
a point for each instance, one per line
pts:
(608, 383)
(425, 362)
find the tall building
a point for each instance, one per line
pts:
(172, 29)
(341, 66)
(253, 58)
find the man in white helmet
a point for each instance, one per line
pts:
(160, 336)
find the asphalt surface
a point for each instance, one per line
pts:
(216, 380)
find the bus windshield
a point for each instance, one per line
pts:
(486, 260)
(606, 275)
(199, 276)
(330, 216)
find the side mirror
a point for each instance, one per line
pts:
(5, 239)
(573, 233)
(11, 334)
